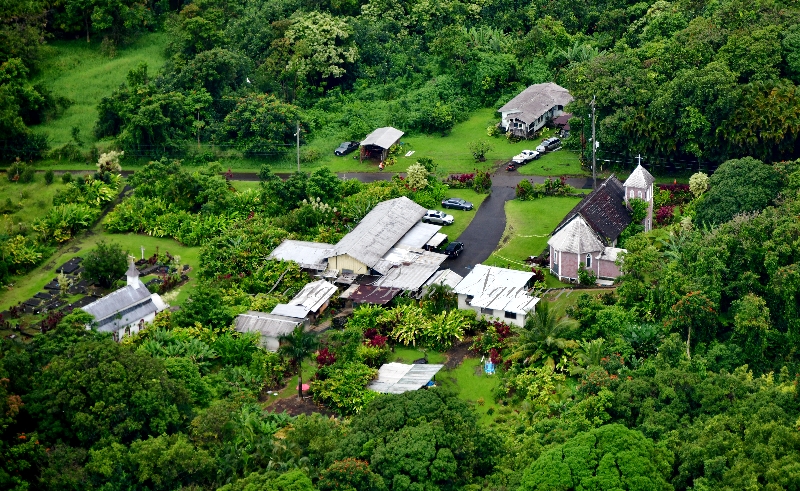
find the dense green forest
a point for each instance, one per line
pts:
(683, 377)
(707, 81)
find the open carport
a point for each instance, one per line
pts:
(377, 144)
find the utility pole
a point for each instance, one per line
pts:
(594, 148)
(298, 145)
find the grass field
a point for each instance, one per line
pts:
(528, 225)
(474, 386)
(28, 285)
(80, 72)
(27, 201)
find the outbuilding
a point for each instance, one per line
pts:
(377, 144)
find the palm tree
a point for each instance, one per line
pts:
(298, 346)
(542, 337)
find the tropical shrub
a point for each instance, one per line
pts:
(62, 222)
(342, 387)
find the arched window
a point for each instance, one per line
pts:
(640, 195)
(588, 260)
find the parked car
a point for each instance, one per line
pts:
(548, 145)
(345, 148)
(525, 156)
(453, 249)
(438, 217)
(457, 203)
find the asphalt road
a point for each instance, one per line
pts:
(484, 231)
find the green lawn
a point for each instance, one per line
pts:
(80, 72)
(474, 386)
(28, 201)
(528, 227)
(409, 354)
(26, 286)
(450, 152)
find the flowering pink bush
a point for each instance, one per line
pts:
(664, 214)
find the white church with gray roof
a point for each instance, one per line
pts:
(125, 311)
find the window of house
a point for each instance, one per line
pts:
(486, 311)
(511, 315)
(469, 299)
(588, 260)
(631, 193)
(347, 271)
(640, 195)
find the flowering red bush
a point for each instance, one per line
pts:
(462, 178)
(664, 214)
(325, 357)
(678, 193)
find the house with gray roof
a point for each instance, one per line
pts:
(378, 143)
(533, 108)
(497, 293)
(269, 326)
(312, 256)
(125, 311)
(587, 236)
(363, 248)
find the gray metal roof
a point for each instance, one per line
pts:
(396, 378)
(309, 255)
(486, 278)
(294, 311)
(639, 178)
(383, 137)
(497, 289)
(130, 315)
(445, 277)
(576, 237)
(536, 100)
(419, 235)
(265, 324)
(117, 301)
(410, 277)
(380, 230)
(405, 256)
(314, 295)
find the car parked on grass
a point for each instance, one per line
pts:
(548, 145)
(345, 148)
(454, 248)
(437, 217)
(457, 203)
(525, 156)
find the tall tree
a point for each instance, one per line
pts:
(543, 337)
(298, 346)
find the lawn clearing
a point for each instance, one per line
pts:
(528, 227)
(474, 386)
(25, 202)
(28, 285)
(80, 72)
(409, 354)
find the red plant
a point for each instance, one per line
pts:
(494, 356)
(664, 214)
(325, 357)
(378, 341)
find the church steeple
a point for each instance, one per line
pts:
(132, 274)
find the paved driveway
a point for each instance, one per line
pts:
(484, 231)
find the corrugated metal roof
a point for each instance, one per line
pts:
(536, 100)
(639, 178)
(265, 324)
(576, 237)
(314, 295)
(117, 301)
(445, 277)
(373, 294)
(114, 323)
(380, 230)
(396, 378)
(309, 255)
(419, 235)
(487, 278)
(294, 311)
(398, 256)
(506, 299)
(407, 277)
(383, 137)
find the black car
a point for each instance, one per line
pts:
(345, 148)
(457, 203)
(453, 249)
